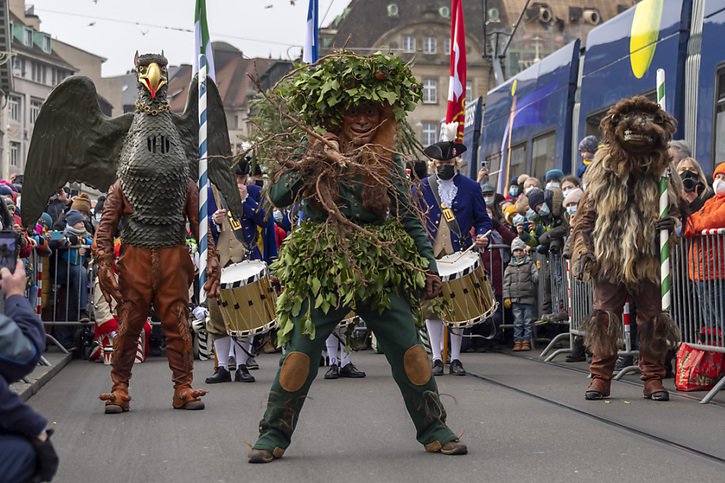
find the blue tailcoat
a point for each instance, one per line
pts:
(468, 208)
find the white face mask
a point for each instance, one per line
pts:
(718, 186)
(527, 189)
(552, 185)
(571, 209)
(489, 200)
(566, 192)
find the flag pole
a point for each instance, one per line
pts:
(203, 180)
(665, 278)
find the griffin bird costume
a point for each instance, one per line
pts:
(146, 161)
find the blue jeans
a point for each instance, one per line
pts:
(523, 321)
(711, 296)
(17, 459)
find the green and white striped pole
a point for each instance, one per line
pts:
(665, 278)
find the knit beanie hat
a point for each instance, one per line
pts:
(81, 203)
(554, 174)
(536, 197)
(573, 196)
(508, 213)
(46, 220)
(6, 191)
(72, 217)
(589, 144)
(517, 244)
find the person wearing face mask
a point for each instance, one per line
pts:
(72, 266)
(453, 205)
(531, 183)
(548, 206)
(568, 183)
(707, 257)
(515, 188)
(553, 178)
(694, 183)
(492, 199)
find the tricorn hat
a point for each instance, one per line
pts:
(445, 150)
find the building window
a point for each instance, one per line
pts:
(14, 154)
(46, 44)
(15, 107)
(408, 44)
(430, 45)
(430, 133)
(469, 90)
(35, 105)
(430, 91)
(28, 37)
(38, 71)
(18, 66)
(447, 46)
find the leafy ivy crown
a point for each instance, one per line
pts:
(322, 92)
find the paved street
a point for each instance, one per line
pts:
(358, 430)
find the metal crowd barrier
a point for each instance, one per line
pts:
(57, 300)
(553, 294)
(698, 293)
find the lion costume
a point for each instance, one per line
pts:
(614, 240)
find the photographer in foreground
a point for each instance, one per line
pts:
(26, 453)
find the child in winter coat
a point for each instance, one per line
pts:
(519, 292)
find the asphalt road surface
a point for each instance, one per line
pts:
(522, 420)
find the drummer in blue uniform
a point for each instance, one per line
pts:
(237, 240)
(452, 204)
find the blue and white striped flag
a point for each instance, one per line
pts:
(202, 42)
(311, 52)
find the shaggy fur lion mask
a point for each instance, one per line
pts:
(623, 184)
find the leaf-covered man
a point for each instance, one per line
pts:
(361, 247)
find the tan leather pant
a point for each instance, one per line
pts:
(159, 276)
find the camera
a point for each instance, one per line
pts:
(689, 181)
(9, 249)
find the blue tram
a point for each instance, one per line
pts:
(533, 122)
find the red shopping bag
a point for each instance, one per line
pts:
(697, 370)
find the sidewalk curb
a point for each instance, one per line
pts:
(35, 385)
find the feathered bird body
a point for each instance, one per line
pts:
(153, 171)
(153, 152)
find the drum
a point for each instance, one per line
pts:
(246, 299)
(467, 287)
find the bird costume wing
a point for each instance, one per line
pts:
(72, 141)
(218, 145)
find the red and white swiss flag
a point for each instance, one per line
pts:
(456, 108)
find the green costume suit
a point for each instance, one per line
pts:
(394, 328)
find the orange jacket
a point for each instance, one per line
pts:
(707, 253)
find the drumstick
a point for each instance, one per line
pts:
(472, 245)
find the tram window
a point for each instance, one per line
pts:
(543, 151)
(494, 167)
(518, 159)
(720, 119)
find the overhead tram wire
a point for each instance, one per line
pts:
(163, 27)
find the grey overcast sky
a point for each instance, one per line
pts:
(114, 29)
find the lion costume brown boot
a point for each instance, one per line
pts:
(602, 335)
